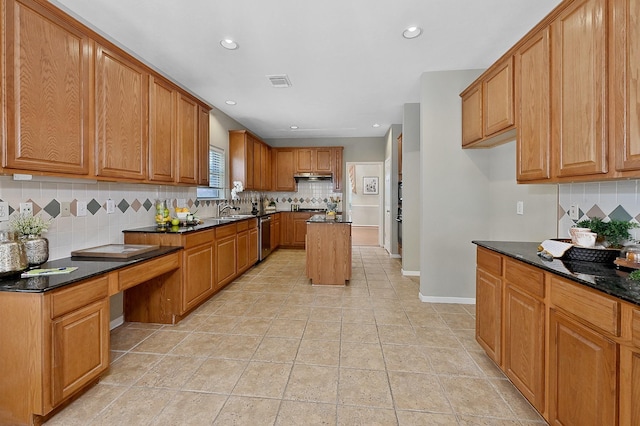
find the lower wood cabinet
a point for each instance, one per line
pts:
(293, 229)
(582, 374)
(242, 251)
(197, 274)
(226, 251)
(276, 225)
(572, 351)
(253, 243)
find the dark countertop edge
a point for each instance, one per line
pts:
(88, 267)
(607, 279)
(339, 219)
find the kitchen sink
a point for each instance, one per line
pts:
(237, 216)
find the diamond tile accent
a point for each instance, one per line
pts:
(123, 205)
(619, 213)
(596, 211)
(147, 204)
(93, 206)
(53, 208)
(136, 205)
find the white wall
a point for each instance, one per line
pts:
(467, 194)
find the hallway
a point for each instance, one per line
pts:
(271, 349)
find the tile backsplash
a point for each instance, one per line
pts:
(614, 200)
(134, 207)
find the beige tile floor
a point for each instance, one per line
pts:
(271, 349)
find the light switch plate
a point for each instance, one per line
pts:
(520, 207)
(111, 206)
(574, 212)
(26, 209)
(65, 209)
(81, 208)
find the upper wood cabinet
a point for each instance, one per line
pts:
(579, 89)
(313, 160)
(533, 145)
(488, 108)
(249, 161)
(203, 155)
(53, 68)
(188, 143)
(47, 91)
(283, 163)
(338, 168)
(162, 130)
(625, 86)
(121, 116)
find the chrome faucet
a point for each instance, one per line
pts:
(226, 206)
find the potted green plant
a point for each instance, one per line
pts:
(30, 229)
(611, 234)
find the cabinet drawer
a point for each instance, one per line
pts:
(147, 270)
(635, 325)
(198, 238)
(253, 223)
(79, 295)
(225, 231)
(525, 277)
(489, 261)
(242, 225)
(593, 308)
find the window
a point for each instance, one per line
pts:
(216, 175)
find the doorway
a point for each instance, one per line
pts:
(364, 196)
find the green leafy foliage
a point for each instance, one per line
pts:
(635, 275)
(613, 233)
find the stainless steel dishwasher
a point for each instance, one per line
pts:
(265, 236)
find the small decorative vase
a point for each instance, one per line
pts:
(37, 249)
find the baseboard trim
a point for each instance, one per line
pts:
(459, 300)
(395, 256)
(410, 273)
(117, 322)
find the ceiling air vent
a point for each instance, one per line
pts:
(279, 81)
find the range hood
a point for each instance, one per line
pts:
(313, 176)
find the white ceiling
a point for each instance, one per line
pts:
(348, 63)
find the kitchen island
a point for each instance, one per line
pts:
(328, 250)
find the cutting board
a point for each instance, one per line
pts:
(119, 251)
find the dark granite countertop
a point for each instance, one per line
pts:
(604, 277)
(206, 224)
(321, 218)
(87, 268)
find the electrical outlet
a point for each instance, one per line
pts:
(574, 212)
(520, 207)
(65, 209)
(111, 206)
(81, 208)
(4, 211)
(26, 209)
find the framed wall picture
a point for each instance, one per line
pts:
(370, 185)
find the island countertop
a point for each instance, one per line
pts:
(322, 218)
(604, 277)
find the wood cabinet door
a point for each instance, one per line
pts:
(498, 99)
(258, 182)
(203, 144)
(197, 278)
(275, 231)
(187, 139)
(489, 314)
(121, 116)
(47, 91)
(582, 374)
(299, 228)
(629, 386)
(338, 167)
(253, 246)
(472, 116)
(625, 86)
(324, 160)
(162, 136)
(579, 89)
(533, 144)
(265, 167)
(242, 251)
(225, 267)
(524, 344)
(284, 170)
(80, 348)
(304, 160)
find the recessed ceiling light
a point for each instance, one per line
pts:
(376, 125)
(230, 102)
(228, 43)
(412, 32)
(294, 127)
